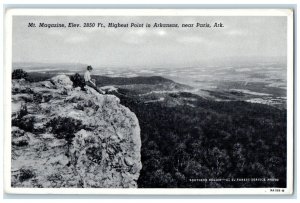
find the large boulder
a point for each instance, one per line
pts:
(73, 139)
(62, 81)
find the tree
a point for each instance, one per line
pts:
(19, 74)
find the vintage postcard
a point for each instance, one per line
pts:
(145, 101)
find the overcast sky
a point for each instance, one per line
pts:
(241, 37)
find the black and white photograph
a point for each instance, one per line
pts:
(149, 100)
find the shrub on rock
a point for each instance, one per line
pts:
(25, 174)
(64, 127)
(78, 81)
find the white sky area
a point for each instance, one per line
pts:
(250, 38)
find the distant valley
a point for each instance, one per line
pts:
(263, 83)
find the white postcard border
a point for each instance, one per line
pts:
(147, 12)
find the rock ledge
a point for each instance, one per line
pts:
(65, 137)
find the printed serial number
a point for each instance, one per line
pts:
(276, 190)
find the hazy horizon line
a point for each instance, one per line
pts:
(219, 61)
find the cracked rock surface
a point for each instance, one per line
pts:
(66, 137)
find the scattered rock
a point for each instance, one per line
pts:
(109, 89)
(47, 84)
(20, 142)
(17, 132)
(128, 161)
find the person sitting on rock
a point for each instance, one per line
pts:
(91, 82)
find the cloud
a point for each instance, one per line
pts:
(191, 39)
(135, 36)
(90, 30)
(161, 33)
(140, 36)
(133, 40)
(55, 32)
(76, 39)
(147, 32)
(235, 33)
(140, 32)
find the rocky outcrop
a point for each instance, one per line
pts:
(62, 81)
(66, 137)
